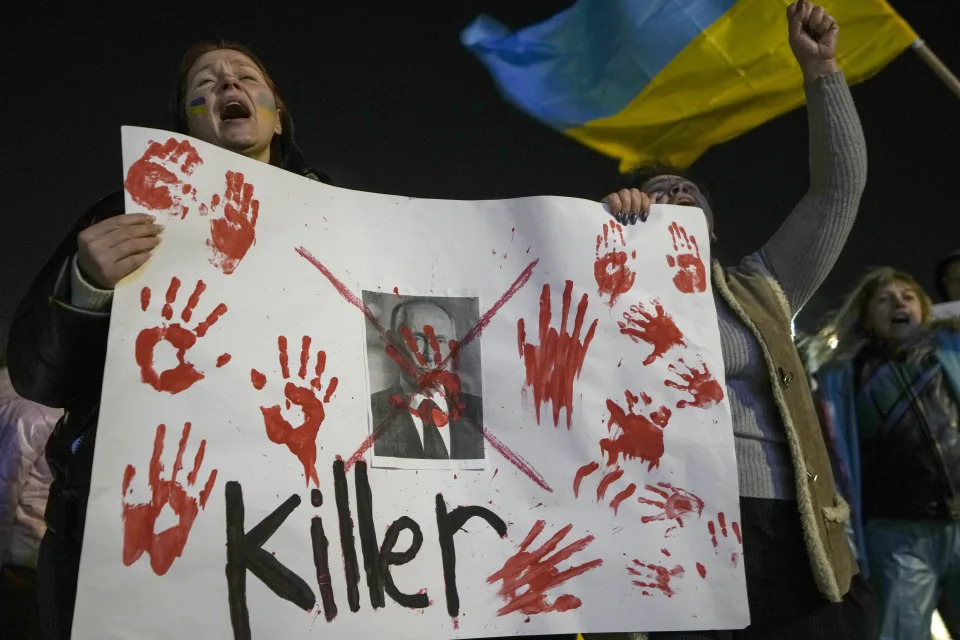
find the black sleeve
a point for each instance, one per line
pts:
(57, 351)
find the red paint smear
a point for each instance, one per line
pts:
(302, 439)
(610, 270)
(638, 436)
(525, 467)
(713, 533)
(495, 472)
(659, 331)
(722, 519)
(171, 297)
(659, 574)
(192, 301)
(139, 520)
(665, 552)
(736, 532)
(691, 276)
(582, 473)
(437, 378)
(257, 379)
(702, 570)
(552, 367)
(704, 388)
(607, 480)
(345, 292)
(396, 290)
(144, 298)
(620, 497)
(456, 623)
(675, 504)
(232, 235)
(305, 356)
(223, 359)
(733, 558)
(202, 328)
(151, 181)
(284, 358)
(538, 573)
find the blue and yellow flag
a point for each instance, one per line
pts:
(663, 80)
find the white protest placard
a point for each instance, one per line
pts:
(360, 415)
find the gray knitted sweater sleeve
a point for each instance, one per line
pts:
(804, 249)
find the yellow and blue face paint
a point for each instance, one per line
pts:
(266, 104)
(198, 106)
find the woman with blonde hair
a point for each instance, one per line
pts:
(889, 385)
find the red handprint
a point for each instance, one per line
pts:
(691, 277)
(300, 440)
(442, 375)
(613, 275)
(536, 572)
(659, 331)
(676, 505)
(232, 235)
(639, 436)
(706, 391)
(155, 181)
(139, 520)
(712, 528)
(552, 367)
(183, 375)
(656, 576)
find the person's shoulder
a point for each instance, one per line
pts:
(106, 207)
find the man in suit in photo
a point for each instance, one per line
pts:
(436, 422)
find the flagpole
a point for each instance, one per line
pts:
(930, 58)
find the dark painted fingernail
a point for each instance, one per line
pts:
(644, 216)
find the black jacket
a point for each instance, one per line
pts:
(56, 356)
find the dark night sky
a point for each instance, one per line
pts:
(386, 100)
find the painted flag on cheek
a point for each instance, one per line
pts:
(198, 106)
(664, 80)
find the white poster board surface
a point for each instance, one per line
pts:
(337, 412)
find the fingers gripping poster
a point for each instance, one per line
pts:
(360, 415)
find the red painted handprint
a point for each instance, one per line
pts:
(639, 436)
(300, 440)
(613, 275)
(156, 180)
(691, 276)
(706, 391)
(183, 375)
(232, 235)
(440, 374)
(537, 572)
(139, 520)
(552, 367)
(659, 331)
(655, 576)
(725, 538)
(675, 504)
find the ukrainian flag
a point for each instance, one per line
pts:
(663, 80)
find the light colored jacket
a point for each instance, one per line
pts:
(25, 477)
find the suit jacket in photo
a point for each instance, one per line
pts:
(400, 438)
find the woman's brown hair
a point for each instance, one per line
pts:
(846, 333)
